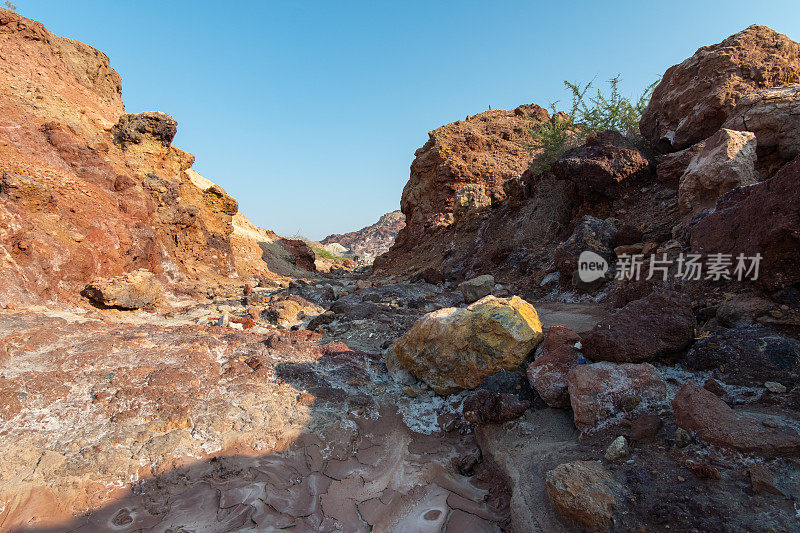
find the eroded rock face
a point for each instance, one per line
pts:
(761, 219)
(725, 161)
(602, 392)
(747, 356)
(592, 234)
(585, 493)
(774, 116)
(131, 291)
(657, 326)
(548, 373)
(697, 96)
(700, 411)
(304, 256)
(598, 166)
(455, 349)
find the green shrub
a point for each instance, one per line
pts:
(549, 140)
(325, 254)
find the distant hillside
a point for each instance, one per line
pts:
(368, 243)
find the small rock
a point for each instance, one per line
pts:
(617, 449)
(585, 493)
(774, 386)
(485, 407)
(762, 480)
(682, 438)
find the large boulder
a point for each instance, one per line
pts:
(749, 355)
(133, 290)
(657, 326)
(695, 97)
(774, 116)
(476, 288)
(548, 373)
(725, 161)
(700, 411)
(585, 493)
(603, 392)
(598, 166)
(761, 219)
(590, 234)
(453, 349)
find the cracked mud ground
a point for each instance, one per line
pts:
(187, 427)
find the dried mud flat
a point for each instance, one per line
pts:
(204, 428)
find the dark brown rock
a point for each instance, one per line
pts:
(749, 355)
(590, 234)
(485, 407)
(659, 325)
(598, 166)
(646, 427)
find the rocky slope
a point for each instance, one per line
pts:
(368, 243)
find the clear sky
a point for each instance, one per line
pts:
(309, 113)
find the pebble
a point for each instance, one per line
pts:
(774, 386)
(682, 438)
(617, 449)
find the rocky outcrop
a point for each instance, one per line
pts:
(725, 161)
(657, 326)
(131, 291)
(703, 413)
(774, 116)
(483, 150)
(585, 493)
(597, 167)
(761, 219)
(464, 169)
(697, 96)
(368, 243)
(454, 349)
(601, 393)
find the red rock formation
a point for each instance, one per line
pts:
(695, 97)
(86, 190)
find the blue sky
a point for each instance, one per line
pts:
(309, 113)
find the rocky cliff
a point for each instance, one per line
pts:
(89, 191)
